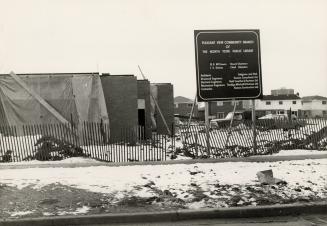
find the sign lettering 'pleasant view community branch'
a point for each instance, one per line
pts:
(228, 64)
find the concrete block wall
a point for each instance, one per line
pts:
(165, 100)
(120, 92)
(184, 109)
(143, 92)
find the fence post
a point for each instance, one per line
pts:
(196, 146)
(206, 111)
(254, 128)
(173, 136)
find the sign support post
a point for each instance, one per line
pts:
(254, 127)
(228, 67)
(206, 115)
(230, 125)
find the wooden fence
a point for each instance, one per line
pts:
(271, 136)
(59, 141)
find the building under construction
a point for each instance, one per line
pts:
(120, 101)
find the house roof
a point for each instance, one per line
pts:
(47, 74)
(281, 97)
(180, 99)
(316, 97)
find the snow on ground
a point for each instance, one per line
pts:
(121, 153)
(21, 213)
(120, 181)
(77, 160)
(78, 211)
(299, 152)
(72, 160)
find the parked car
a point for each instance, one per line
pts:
(278, 116)
(225, 122)
(178, 122)
(279, 121)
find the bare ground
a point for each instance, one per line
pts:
(57, 199)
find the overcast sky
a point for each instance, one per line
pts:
(116, 36)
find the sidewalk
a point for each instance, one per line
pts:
(174, 216)
(260, 158)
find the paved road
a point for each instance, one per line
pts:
(303, 220)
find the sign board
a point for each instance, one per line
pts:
(228, 64)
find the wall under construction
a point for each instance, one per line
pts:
(120, 100)
(120, 93)
(144, 107)
(165, 100)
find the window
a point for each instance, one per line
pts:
(176, 105)
(236, 102)
(294, 102)
(140, 104)
(324, 102)
(189, 105)
(220, 103)
(280, 102)
(268, 103)
(220, 115)
(324, 113)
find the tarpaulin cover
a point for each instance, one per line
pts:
(154, 93)
(77, 97)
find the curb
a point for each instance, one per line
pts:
(261, 158)
(171, 216)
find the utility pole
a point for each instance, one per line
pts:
(206, 113)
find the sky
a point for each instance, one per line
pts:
(115, 36)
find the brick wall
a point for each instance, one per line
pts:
(143, 92)
(166, 104)
(184, 109)
(120, 92)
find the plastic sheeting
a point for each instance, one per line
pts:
(77, 97)
(154, 93)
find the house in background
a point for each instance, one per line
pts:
(281, 101)
(314, 106)
(219, 109)
(282, 91)
(183, 107)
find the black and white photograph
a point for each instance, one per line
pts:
(163, 112)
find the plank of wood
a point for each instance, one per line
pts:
(53, 111)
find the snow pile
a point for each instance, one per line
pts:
(177, 178)
(81, 210)
(299, 152)
(21, 213)
(73, 160)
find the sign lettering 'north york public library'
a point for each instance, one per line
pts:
(228, 64)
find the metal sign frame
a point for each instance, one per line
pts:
(202, 66)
